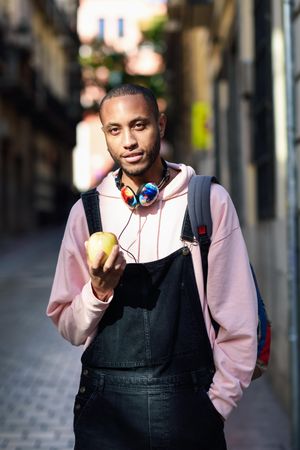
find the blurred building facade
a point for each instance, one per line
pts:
(231, 55)
(39, 109)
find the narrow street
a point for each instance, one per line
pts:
(39, 370)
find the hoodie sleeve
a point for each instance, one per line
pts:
(73, 307)
(232, 301)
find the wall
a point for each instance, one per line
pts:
(39, 109)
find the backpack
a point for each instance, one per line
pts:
(198, 224)
(198, 220)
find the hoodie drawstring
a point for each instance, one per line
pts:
(160, 207)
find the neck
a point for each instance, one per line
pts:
(158, 176)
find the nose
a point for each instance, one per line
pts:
(129, 139)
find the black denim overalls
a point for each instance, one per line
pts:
(146, 374)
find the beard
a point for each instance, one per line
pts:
(151, 157)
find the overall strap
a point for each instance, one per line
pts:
(90, 200)
(186, 230)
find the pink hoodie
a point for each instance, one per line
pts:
(153, 233)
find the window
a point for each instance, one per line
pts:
(263, 121)
(101, 28)
(120, 27)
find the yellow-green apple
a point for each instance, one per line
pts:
(100, 241)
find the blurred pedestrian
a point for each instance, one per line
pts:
(154, 374)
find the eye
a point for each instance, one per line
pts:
(139, 126)
(113, 130)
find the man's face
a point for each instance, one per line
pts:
(132, 133)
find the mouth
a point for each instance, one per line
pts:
(132, 158)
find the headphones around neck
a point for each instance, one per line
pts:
(146, 194)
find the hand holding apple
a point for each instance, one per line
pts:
(106, 263)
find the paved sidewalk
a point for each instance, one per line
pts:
(39, 370)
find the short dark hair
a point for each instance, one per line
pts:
(132, 89)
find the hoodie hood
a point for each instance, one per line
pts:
(177, 187)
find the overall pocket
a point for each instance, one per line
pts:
(87, 392)
(212, 408)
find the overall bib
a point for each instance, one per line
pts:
(146, 374)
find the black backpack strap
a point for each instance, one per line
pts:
(197, 213)
(90, 200)
(201, 221)
(200, 215)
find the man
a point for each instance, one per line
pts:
(154, 374)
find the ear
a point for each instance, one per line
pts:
(162, 121)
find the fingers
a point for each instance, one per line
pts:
(114, 261)
(101, 260)
(105, 278)
(96, 262)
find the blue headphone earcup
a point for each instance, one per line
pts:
(147, 194)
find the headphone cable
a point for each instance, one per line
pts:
(127, 251)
